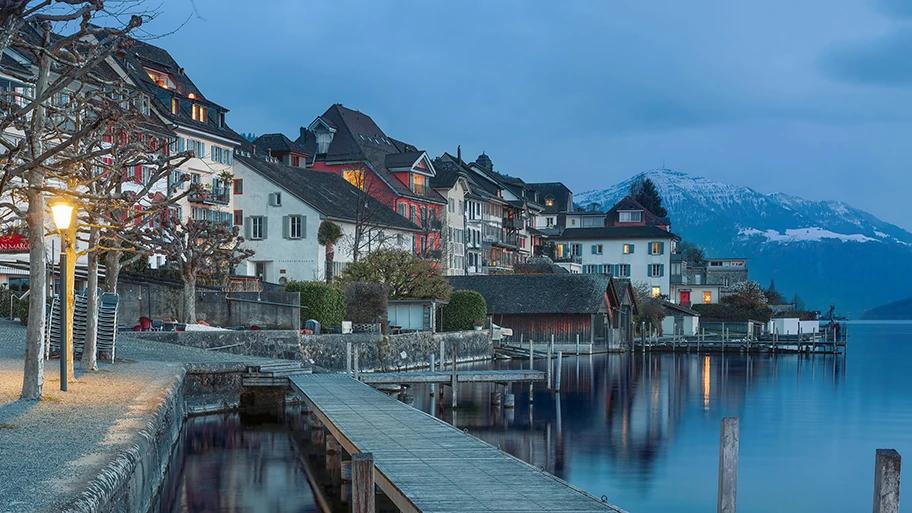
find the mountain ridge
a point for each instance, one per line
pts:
(826, 251)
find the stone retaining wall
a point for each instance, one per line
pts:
(132, 481)
(394, 352)
(283, 344)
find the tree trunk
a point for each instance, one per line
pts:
(330, 257)
(112, 271)
(33, 377)
(89, 350)
(189, 297)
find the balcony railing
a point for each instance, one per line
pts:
(213, 196)
(423, 189)
(576, 259)
(512, 223)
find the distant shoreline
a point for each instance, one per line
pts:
(879, 321)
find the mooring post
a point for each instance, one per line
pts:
(557, 380)
(442, 360)
(577, 344)
(643, 334)
(431, 386)
(356, 362)
(550, 370)
(531, 366)
(363, 493)
(453, 380)
(887, 465)
(348, 357)
(728, 465)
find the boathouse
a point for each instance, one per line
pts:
(595, 307)
(680, 320)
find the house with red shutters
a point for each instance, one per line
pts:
(349, 143)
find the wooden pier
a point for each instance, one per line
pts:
(424, 464)
(717, 344)
(462, 376)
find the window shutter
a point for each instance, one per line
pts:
(286, 227)
(661, 270)
(181, 144)
(248, 228)
(649, 270)
(202, 152)
(265, 226)
(212, 152)
(631, 249)
(303, 227)
(593, 249)
(661, 248)
(230, 157)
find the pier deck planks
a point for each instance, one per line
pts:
(424, 464)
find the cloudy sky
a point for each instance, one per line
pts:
(811, 98)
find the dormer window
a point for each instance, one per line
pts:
(199, 113)
(175, 106)
(634, 216)
(549, 202)
(162, 80)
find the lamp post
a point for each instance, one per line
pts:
(63, 216)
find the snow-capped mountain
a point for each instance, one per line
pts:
(826, 251)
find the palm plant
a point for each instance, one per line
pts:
(328, 235)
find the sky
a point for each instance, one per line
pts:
(812, 98)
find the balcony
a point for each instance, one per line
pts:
(507, 239)
(212, 196)
(512, 223)
(423, 189)
(435, 225)
(572, 259)
(434, 254)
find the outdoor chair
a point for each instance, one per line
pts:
(157, 325)
(145, 323)
(167, 326)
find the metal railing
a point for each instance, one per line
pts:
(213, 196)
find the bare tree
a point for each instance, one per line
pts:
(197, 248)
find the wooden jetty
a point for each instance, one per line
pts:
(810, 345)
(424, 464)
(462, 376)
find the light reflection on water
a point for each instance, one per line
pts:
(644, 429)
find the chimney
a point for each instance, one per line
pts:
(303, 131)
(459, 153)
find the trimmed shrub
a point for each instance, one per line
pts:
(466, 309)
(21, 310)
(366, 302)
(324, 302)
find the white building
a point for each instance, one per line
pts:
(280, 208)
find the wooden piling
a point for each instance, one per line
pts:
(728, 465)
(577, 344)
(348, 357)
(550, 373)
(531, 366)
(442, 355)
(357, 350)
(363, 493)
(557, 380)
(453, 384)
(887, 466)
(431, 386)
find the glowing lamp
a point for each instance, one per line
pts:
(63, 215)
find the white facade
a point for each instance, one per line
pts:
(686, 325)
(642, 260)
(454, 257)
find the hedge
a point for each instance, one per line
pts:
(466, 309)
(733, 313)
(366, 302)
(324, 302)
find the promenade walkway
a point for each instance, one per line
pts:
(51, 449)
(424, 464)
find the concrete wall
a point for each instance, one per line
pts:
(395, 351)
(284, 344)
(161, 301)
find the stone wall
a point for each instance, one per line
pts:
(394, 352)
(161, 301)
(283, 344)
(131, 482)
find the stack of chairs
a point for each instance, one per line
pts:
(107, 326)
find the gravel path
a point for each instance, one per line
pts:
(51, 449)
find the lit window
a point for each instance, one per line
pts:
(707, 298)
(656, 291)
(354, 177)
(549, 202)
(199, 113)
(175, 106)
(628, 249)
(656, 248)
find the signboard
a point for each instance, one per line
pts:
(14, 243)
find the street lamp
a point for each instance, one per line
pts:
(63, 216)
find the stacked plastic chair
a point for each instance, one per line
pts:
(107, 325)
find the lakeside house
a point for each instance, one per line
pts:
(597, 308)
(279, 209)
(706, 283)
(680, 320)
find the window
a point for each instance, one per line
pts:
(452, 205)
(145, 104)
(596, 249)
(294, 227)
(221, 120)
(573, 222)
(623, 271)
(238, 217)
(295, 161)
(656, 248)
(275, 199)
(675, 269)
(198, 113)
(175, 106)
(656, 270)
(257, 228)
(656, 291)
(630, 217)
(413, 213)
(402, 209)
(194, 178)
(628, 249)
(707, 297)
(549, 202)
(197, 147)
(576, 249)
(461, 207)
(354, 177)
(549, 221)
(239, 186)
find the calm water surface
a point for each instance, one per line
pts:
(644, 430)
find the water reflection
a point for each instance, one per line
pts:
(643, 428)
(237, 463)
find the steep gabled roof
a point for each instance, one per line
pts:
(556, 191)
(674, 308)
(538, 293)
(277, 143)
(616, 232)
(357, 138)
(326, 192)
(628, 203)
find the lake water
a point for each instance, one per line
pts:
(641, 430)
(644, 430)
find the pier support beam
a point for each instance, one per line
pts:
(887, 466)
(363, 493)
(728, 465)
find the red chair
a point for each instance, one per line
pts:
(137, 328)
(255, 328)
(145, 323)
